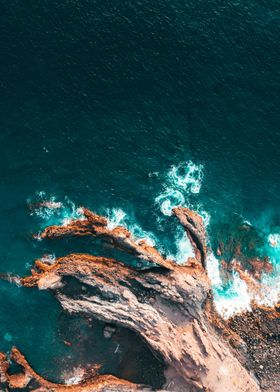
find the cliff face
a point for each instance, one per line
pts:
(168, 305)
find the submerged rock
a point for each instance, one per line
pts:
(109, 331)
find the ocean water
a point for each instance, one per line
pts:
(129, 108)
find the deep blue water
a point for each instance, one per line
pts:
(100, 98)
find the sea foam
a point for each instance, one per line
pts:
(51, 211)
(117, 217)
(231, 297)
(181, 187)
(181, 181)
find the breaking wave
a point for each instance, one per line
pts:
(184, 249)
(181, 187)
(181, 182)
(234, 296)
(230, 298)
(51, 211)
(117, 217)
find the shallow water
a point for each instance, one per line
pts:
(101, 99)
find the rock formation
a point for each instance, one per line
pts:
(118, 237)
(28, 377)
(194, 226)
(168, 305)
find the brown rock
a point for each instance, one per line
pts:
(166, 307)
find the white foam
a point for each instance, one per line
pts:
(48, 259)
(141, 235)
(116, 217)
(204, 215)
(75, 377)
(169, 199)
(187, 175)
(53, 212)
(236, 297)
(274, 240)
(181, 181)
(213, 270)
(248, 223)
(229, 300)
(184, 249)
(234, 300)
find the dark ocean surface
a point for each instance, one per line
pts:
(98, 100)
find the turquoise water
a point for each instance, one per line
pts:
(100, 100)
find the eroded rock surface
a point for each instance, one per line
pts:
(164, 304)
(168, 305)
(119, 237)
(195, 229)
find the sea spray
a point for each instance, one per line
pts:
(51, 211)
(230, 297)
(234, 296)
(117, 217)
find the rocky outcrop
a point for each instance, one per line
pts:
(119, 237)
(168, 305)
(28, 377)
(194, 226)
